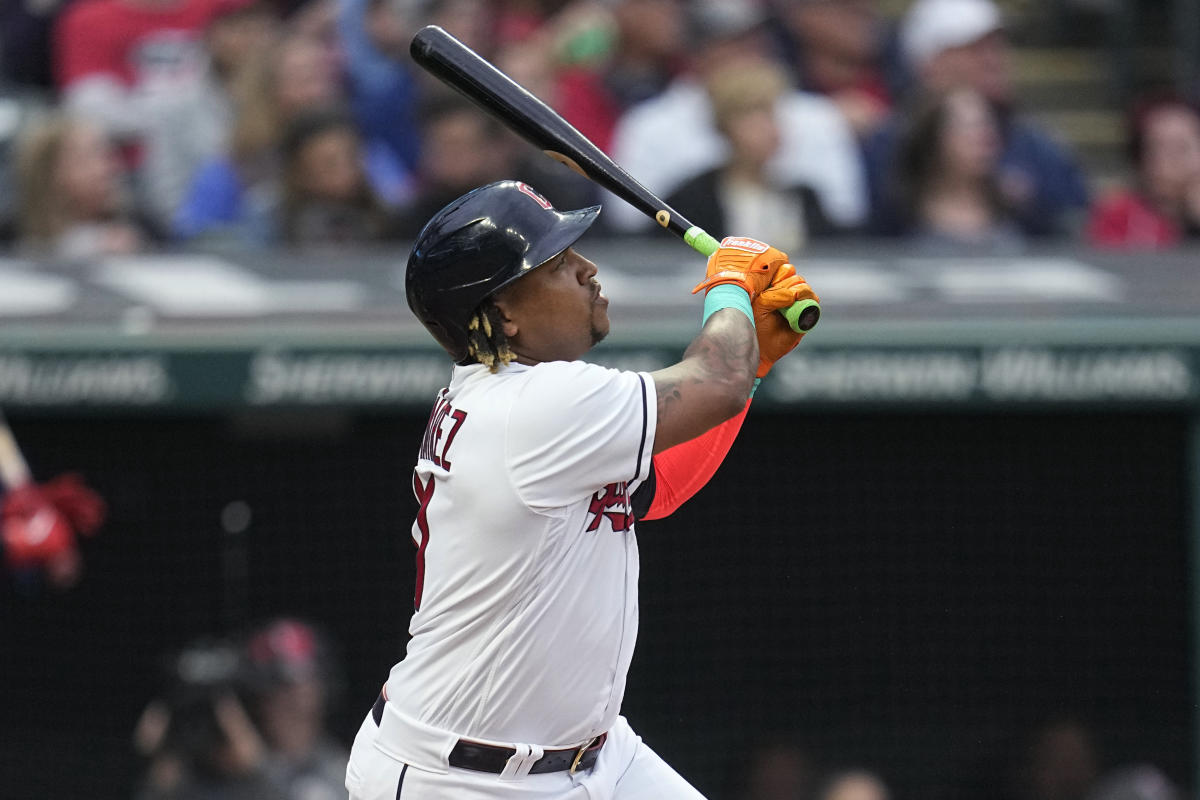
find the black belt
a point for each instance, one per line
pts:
(492, 758)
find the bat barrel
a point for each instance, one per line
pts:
(501, 97)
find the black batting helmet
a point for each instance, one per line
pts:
(481, 242)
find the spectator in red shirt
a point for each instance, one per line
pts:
(114, 58)
(1162, 205)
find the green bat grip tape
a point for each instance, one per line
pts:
(802, 315)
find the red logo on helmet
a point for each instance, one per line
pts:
(541, 201)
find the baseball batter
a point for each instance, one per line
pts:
(531, 475)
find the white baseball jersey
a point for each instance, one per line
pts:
(527, 563)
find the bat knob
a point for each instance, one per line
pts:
(803, 315)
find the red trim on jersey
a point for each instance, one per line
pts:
(681, 471)
(424, 493)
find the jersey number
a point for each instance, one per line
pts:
(424, 494)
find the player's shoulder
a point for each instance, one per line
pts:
(555, 384)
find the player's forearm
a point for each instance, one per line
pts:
(711, 383)
(726, 351)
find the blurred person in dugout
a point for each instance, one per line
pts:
(1137, 782)
(843, 49)
(244, 721)
(946, 179)
(741, 194)
(1060, 760)
(1160, 207)
(854, 784)
(293, 682)
(671, 138)
(777, 769)
(952, 43)
(196, 737)
(75, 203)
(327, 198)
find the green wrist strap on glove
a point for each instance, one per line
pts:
(727, 295)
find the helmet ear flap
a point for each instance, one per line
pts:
(475, 246)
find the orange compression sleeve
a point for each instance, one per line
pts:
(684, 469)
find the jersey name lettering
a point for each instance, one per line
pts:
(615, 495)
(443, 426)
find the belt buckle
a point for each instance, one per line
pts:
(579, 755)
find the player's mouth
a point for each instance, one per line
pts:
(597, 297)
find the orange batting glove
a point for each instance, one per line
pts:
(747, 263)
(775, 337)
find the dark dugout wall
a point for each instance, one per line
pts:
(913, 593)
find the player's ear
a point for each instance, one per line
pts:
(501, 301)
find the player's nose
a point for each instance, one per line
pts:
(588, 270)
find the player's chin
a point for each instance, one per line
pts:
(600, 324)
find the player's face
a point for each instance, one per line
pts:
(556, 312)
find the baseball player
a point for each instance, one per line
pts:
(533, 470)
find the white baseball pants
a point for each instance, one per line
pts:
(626, 770)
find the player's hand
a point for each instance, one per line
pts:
(747, 263)
(775, 336)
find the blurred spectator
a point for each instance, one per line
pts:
(74, 202)
(1140, 782)
(741, 194)
(115, 59)
(1162, 206)
(854, 785)
(671, 138)
(197, 737)
(947, 180)
(17, 109)
(292, 678)
(951, 43)
(237, 196)
(779, 770)
(382, 79)
(612, 64)
(463, 148)
(191, 125)
(1061, 762)
(533, 66)
(326, 195)
(839, 51)
(472, 22)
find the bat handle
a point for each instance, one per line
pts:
(802, 315)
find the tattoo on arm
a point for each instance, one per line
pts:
(725, 350)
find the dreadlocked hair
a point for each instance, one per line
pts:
(486, 342)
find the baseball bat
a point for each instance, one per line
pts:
(464, 70)
(14, 471)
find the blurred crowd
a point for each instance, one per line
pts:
(134, 125)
